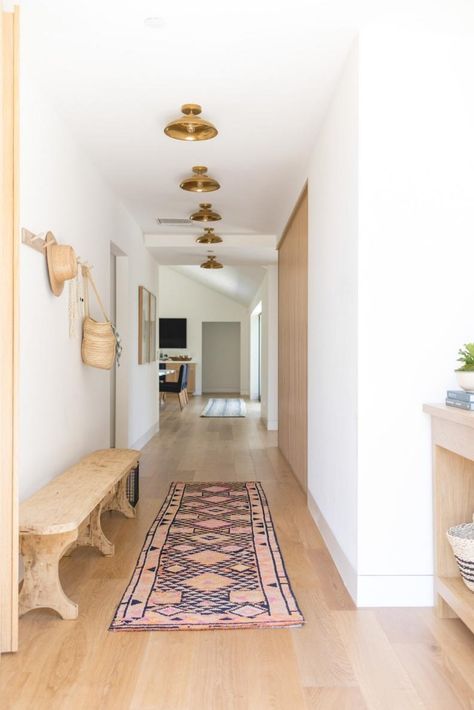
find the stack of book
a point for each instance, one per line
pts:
(460, 399)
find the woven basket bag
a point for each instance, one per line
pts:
(98, 339)
(461, 538)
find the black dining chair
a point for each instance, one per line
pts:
(162, 366)
(185, 383)
(177, 387)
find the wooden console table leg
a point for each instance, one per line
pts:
(443, 610)
(41, 584)
(92, 535)
(119, 501)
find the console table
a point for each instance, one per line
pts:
(453, 488)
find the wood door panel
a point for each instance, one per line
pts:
(293, 341)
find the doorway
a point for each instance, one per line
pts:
(119, 375)
(221, 357)
(259, 357)
(256, 340)
(9, 325)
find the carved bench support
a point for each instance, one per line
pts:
(117, 500)
(92, 535)
(41, 584)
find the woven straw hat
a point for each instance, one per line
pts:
(62, 263)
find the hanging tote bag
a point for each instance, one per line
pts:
(98, 338)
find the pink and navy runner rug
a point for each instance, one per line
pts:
(210, 560)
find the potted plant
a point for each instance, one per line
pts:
(465, 373)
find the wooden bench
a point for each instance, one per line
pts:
(65, 514)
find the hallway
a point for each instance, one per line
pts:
(341, 659)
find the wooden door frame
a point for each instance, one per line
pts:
(9, 277)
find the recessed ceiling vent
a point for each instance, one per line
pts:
(177, 222)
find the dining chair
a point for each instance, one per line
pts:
(177, 387)
(185, 383)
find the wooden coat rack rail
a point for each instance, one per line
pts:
(35, 241)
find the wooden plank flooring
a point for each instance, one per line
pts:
(342, 659)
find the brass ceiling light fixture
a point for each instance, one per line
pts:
(190, 127)
(199, 182)
(205, 214)
(211, 263)
(209, 237)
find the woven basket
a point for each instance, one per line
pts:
(98, 344)
(461, 538)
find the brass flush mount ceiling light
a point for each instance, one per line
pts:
(205, 214)
(211, 263)
(199, 182)
(209, 237)
(190, 127)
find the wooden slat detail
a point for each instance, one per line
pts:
(293, 341)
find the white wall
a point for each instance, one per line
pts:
(64, 405)
(267, 295)
(332, 318)
(221, 357)
(391, 181)
(182, 297)
(415, 291)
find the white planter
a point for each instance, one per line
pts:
(465, 380)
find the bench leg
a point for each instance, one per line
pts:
(41, 584)
(92, 535)
(119, 500)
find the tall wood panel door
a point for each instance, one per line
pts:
(293, 341)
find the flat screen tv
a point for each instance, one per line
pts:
(173, 333)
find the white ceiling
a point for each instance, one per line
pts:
(262, 70)
(243, 256)
(239, 283)
(245, 250)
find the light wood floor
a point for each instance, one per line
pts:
(391, 659)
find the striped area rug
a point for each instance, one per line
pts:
(210, 560)
(232, 407)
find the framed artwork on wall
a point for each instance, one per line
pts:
(146, 326)
(152, 344)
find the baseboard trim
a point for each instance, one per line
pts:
(395, 590)
(271, 424)
(374, 590)
(344, 567)
(224, 390)
(145, 438)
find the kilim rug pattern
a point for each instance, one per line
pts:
(232, 407)
(210, 560)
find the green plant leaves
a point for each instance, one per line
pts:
(466, 357)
